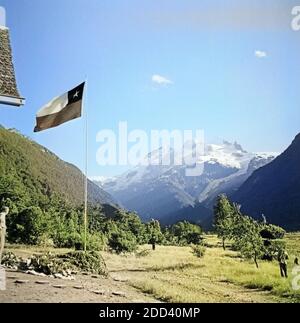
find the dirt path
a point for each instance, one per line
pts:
(94, 290)
(115, 289)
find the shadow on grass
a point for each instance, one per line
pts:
(233, 256)
(189, 265)
(159, 269)
(129, 270)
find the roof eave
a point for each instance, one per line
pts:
(11, 100)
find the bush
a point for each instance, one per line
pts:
(198, 250)
(28, 225)
(94, 242)
(45, 241)
(10, 260)
(49, 264)
(122, 241)
(185, 233)
(91, 261)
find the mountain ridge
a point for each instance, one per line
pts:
(274, 190)
(160, 191)
(44, 171)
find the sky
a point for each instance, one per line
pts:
(231, 68)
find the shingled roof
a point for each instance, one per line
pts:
(9, 94)
(8, 84)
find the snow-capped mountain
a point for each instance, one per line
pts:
(232, 182)
(158, 190)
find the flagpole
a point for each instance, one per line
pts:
(86, 169)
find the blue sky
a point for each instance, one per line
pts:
(206, 48)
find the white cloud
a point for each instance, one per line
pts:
(161, 80)
(260, 54)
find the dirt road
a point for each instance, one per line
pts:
(26, 288)
(114, 289)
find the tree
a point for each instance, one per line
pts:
(154, 233)
(223, 213)
(122, 241)
(29, 225)
(131, 222)
(248, 239)
(254, 240)
(186, 233)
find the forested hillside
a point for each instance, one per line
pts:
(38, 173)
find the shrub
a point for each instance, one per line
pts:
(94, 242)
(90, 261)
(121, 241)
(185, 233)
(198, 250)
(49, 264)
(45, 241)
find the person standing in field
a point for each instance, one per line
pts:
(153, 243)
(3, 214)
(282, 259)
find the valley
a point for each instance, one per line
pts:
(170, 274)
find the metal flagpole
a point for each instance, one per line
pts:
(86, 169)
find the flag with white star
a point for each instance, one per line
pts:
(61, 109)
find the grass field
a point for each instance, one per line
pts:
(174, 274)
